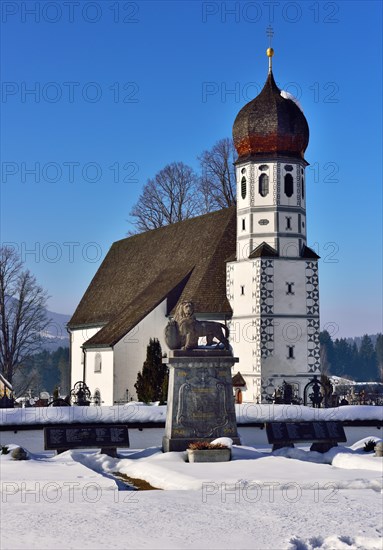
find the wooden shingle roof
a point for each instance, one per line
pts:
(140, 271)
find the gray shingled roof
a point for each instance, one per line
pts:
(186, 260)
(264, 250)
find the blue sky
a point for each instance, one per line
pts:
(123, 88)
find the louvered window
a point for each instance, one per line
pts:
(243, 187)
(263, 185)
(289, 185)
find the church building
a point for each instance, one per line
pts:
(247, 266)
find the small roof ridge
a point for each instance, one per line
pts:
(308, 252)
(238, 380)
(264, 250)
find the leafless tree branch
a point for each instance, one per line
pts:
(22, 312)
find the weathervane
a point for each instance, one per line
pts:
(270, 51)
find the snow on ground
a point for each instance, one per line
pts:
(139, 412)
(259, 500)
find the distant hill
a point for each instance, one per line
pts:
(56, 335)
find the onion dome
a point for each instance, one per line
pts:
(270, 124)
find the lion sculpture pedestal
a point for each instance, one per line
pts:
(200, 398)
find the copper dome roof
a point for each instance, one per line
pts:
(270, 125)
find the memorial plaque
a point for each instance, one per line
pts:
(78, 436)
(289, 432)
(200, 399)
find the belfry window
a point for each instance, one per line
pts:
(243, 187)
(288, 222)
(303, 188)
(263, 185)
(289, 185)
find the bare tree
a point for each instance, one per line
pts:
(170, 197)
(22, 312)
(217, 184)
(177, 193)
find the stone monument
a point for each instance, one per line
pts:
(200, 396)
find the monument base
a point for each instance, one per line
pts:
(200, 400)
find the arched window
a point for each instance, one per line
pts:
(97, 362)
(289, 185)
(263, 185)
(243, 187)
(303, 188)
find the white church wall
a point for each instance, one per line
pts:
(289, 272)
(291, 332)
(130, 352)
(99, 373)
(78, 338)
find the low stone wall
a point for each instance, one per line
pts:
(150, 434)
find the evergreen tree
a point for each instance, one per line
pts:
(379, 355)
(355, 370)
(343, 358)
(326, 352)
(367, 360)
(150, 383)
(43, 372)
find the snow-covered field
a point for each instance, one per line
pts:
(291, 499)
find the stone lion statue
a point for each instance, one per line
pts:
(183, 332)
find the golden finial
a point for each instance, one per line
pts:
(270, 51)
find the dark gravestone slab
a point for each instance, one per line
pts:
(78, 436)
(324, 435)
(200, 400)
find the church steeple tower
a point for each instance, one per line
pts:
(269, 281)
(271, 135)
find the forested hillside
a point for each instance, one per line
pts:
(43, 372)
(359, 358)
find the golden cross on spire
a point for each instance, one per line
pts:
(270, 51)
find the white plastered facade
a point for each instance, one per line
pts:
(275, 299)
(113, 370)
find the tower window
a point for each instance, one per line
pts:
(288, 168)
(242, 290)
(243, 187)
(290, 352)
(289, 185)
(288, 222)
(243, 225)
(290, 288)
(263, 185)
(97, 362)
(303, 188)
